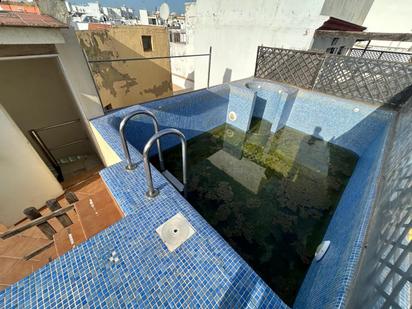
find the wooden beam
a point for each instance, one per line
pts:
(35, 222)
(365, 36)
(71, 197)
(33, 213)
(64, 219)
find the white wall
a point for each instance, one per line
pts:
(80, 83)
(182, 68)
(236, 28)
(78, 75)
(143, 18)
(25, 179)
(390, 16)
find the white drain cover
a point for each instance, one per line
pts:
(175, 231)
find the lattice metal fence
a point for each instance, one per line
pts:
(381, 55)
(299, 68)
(375, 81)
(363, 79)
(384, 279)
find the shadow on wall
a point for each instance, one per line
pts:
(347, 229)
(190, 79)
(243, 288)
(383, 277)
(227, 76)
(191, 113)
(128, 82)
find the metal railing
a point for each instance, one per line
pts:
(91, 61)
(130, 165)
(48, 151)
(372, 80)
(380, 54)
(152, 191)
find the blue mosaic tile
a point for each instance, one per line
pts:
(205, 271)
(240, 107)
(327, 282)
(363, 132)
(192, 113)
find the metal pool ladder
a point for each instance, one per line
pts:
(152, 191)
(130, 165)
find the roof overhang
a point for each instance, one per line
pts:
(30, 35)
(29, 20)
(340, 25)
(365, 36)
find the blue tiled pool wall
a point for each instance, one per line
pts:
(361, 131)
(192, 113)
(241, 105)
(273, 102)
(346, 123)
(205, 272)
(327, 282)
(207, 257)
(383, 272)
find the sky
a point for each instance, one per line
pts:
(150, 5)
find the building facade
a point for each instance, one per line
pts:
(130, 82)
(235, 28)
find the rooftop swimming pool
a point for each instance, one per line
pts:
(270, 195)
(273, 171)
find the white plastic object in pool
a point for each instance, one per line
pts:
(232, 116)
(175, 231)
(321, 250)
(356, 109)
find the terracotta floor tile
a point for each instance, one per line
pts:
(104, 214)
(19, 270)
(48, 253)
(19, 246)
(3, 286)
(91, 186)
(62, 240)
(6, 265)
(86, 223)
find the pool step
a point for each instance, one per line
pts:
(173, 180)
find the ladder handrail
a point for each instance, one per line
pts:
(152, 192)
(130, 165)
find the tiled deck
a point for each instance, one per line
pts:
(86, 223)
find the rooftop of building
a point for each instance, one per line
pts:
(24, 19)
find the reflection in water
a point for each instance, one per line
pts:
(269, 195)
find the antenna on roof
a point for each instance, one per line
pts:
(164, 11)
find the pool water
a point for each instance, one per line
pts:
(270, 196)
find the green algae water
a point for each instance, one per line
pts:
(270, 196)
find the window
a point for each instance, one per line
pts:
(147, 43)
(176, 37)
(330, 50)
